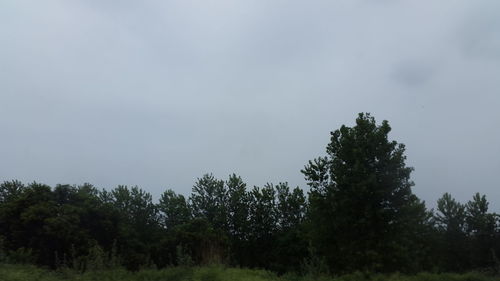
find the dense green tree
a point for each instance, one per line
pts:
(57, 224)
(99, 218)
(481, 229)
(203, 243)
(263, 225)
(450, 222)
(136, 206)
(450, 216)
(263, 212)
(361, 198)
(175, 214)
(291, 206)
(479, 221)
(290, 246)
(23, 222)
(9, 190)
(209, 200)
(359, 215)
(237, 207)
(139, 225)
(238, 215)
(174, 209)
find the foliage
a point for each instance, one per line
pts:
(362, 211)
(174, 209)
(213, 273)
(360, 215)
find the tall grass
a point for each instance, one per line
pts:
(212, 273)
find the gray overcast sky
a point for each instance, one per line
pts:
(157, 93)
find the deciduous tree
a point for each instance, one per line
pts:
(361, 199)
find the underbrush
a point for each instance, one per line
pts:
(213, 273)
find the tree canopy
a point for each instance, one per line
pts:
(359, 214)
(361, 203)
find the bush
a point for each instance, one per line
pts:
(21, 256)
(183, 258)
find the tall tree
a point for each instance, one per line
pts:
(481, 229)
(290, 245)
(139, 227)
(209, 200)
(209, 203)
(238, 215)
(291, 206)
(479, 221)
(237, 207)
(450, 216)
(361, 199)
(174, 209)
(450, 222)
(263, 225)
(10, 190)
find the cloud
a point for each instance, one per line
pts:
(413, 74)
(155, 93)
(479, 34)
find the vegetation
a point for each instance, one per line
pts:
(214, 273)
(359, 215)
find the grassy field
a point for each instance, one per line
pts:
(216, 273)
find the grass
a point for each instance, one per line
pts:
(213, 273)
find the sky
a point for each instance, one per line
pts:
(158, 93)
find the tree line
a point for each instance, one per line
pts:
(359, 214)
